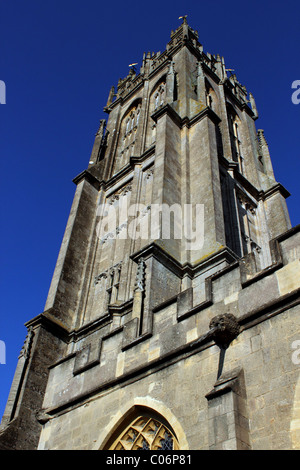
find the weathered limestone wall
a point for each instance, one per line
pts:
(181, 388)
(167, 369)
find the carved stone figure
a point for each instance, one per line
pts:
(226, 328)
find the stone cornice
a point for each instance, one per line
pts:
(177, 354)
(274, 189)
(88, 176)
(258, 194)
(245, 321)
(168, 110)
(50, 321)
(127, 169)
(153, 249)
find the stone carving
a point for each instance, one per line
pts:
(129, 83)
(226, 328)
(253, 105)
(159, 96)
(140, 276)
(109, 272)
(149, 173)
(121, 192)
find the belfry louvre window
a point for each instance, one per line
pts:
(146, 433)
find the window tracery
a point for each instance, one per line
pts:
(128, 135)
(157, 99)
(146, 433)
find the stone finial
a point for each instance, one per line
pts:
(110, 96)
(261, 137)
(253, 105)
(200, 70)
(171, 70)
(101, 128)
(183, 18)
(201, 91)
(225, 329)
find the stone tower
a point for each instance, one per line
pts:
(174, 306)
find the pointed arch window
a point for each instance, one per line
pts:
(145, 432)
(128, 134)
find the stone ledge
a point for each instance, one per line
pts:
(86, 175)
(177, 354)
(227, 382)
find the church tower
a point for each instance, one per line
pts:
(174, 305)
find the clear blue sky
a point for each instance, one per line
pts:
(59, 60)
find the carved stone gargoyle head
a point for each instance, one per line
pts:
(225, 329)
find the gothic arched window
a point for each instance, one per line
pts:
(128, 133)
(145, 432)
(157, 99)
